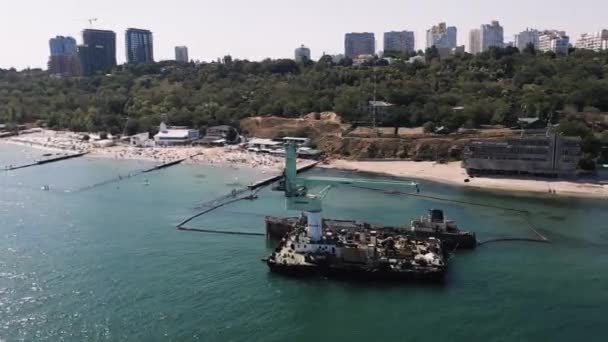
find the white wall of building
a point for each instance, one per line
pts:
(596, 41)
(475, 41)
(554, 41)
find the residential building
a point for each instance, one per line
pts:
(597, 41)
(64, 65)
(98, 51)
(219, 136)
(263, 145)
(475, 41)
(491, 35)
(299, 142)
(64, 57)
(549, 155)
(302, 54)
(527, 37)
(399, 41)
(181, 54)
(61, 45)
(441, 36)
(139, 46)
(554, 41)
(175, 135)
(357, 44)
(141, 140)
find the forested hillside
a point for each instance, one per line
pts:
(495, 87)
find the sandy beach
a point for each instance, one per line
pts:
(54, 141)
(453, 174)
(233, 156)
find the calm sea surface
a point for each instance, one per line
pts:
(108, 264)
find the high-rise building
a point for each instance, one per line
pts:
(475, 41)
(139, 46)
(492, 35)
(61, 45)
(554, 41)
(181, 54)
(302, 54)
(98, 51)
(527, 37)
(597, 41)
(442, 36)
(64, 57)
(357, 44)
(399, 41)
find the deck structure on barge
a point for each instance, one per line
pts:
(359, 254)
(435, 225)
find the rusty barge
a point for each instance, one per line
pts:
(361, 254)
(434, 225)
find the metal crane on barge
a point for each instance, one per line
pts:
(300, 198)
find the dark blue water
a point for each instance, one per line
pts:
(108, 264)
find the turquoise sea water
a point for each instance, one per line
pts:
(108, 264)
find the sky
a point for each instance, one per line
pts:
(254, 30)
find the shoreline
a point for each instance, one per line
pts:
(217, 156)
(449, 174)
(452, 174)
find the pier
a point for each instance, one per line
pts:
(236, 195)
(166, 165)
(131, 175)
(213, 231)
(232, 197)
(47, 161)
(276, 178)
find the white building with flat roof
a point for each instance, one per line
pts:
(554, 41)
(596, 41)
(300, 142)
(475, 41)
(175, 136)
(263, 145)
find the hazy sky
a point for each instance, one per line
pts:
(270, 28)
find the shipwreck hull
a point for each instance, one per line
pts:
(278, 227)
(358, 273)
(451, 241)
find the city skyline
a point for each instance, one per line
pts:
(275, 32)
